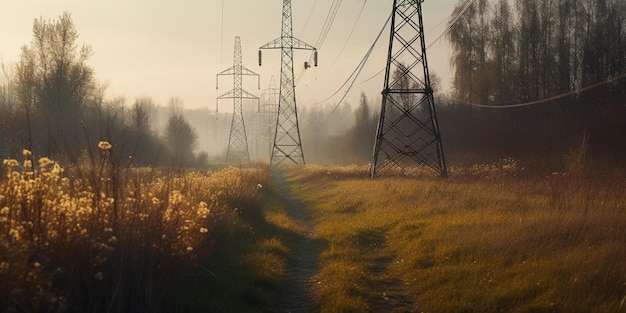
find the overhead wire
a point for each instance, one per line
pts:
(309, 17)
(355, 73)
(344, 45)
(328, 23)
(349, 35)
(361, 63)
(561, 96)
(359, 68)
(451, 25)
(438, 38)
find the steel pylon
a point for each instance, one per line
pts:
(408, 138)
(237, 140)
(287, 142)
(269, 110)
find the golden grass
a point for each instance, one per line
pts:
(489, 239)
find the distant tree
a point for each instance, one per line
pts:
(469, 38)
(54, 84)
(7, 114)
(403, 79)
(175, 106)
(361, 136)
(502, 43)
(180, 137)
(605, 44)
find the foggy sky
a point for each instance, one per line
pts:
(161, 49)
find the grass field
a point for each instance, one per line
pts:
(492, 238)
(485, 240)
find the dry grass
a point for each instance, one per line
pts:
(489, 239)
(113, 239)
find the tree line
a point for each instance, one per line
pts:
(514, 52)
(52, 105)
(535, 49)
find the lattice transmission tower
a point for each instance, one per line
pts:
(408, 138)
(237, 140)
(269, 110)
(263, 121)
(287, 143)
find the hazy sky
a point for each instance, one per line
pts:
(161, 49)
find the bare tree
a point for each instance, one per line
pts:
(53, 80)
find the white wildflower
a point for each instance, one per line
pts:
(104, 145)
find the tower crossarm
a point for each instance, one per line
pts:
(232, 94)
(288, 42)
(274, 44)
(232, 71)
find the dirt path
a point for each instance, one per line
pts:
(297, 294)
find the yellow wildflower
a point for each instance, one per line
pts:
(10, 162)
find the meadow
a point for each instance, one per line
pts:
(489, 239)
(108, 237)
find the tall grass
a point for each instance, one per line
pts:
(489, 239)
(108, 238)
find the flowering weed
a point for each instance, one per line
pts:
(111, 239)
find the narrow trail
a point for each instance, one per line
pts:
(297, 295)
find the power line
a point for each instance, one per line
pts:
(349, 35)
(309, 17)
(360, 65)
(355, 73)
(342, 48)
(449, 28)
(328, 23)
(445, 32)
(561, 96)
(330, 19)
